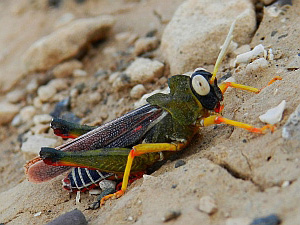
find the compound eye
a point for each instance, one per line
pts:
(200, 85)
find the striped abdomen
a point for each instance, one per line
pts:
(83, 179)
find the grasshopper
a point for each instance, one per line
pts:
(133, 142)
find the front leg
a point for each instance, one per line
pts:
(217, 119)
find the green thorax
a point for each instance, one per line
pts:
(181, 103)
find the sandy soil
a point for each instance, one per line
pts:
(248, 175)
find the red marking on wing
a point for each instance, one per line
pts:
(137, 128)
(59, 133)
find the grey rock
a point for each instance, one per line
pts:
(291, 130)
(66, 42)
(74, 217)
(198, 29)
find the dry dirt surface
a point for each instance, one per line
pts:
(230, 176)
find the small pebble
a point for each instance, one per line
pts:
(248, 56)
(17, 121)
(148, 177)
(143, 70)
(95, 192)
(146, 44)
(107, 184)
(257, 65)
(37, 103)
(66, 69)
(79, 73)
(179, 163)
(171, 215)
(285, 184)
(94, 97)
(32, 86)
(113, 77)
(37, 214)
(122, 81)
(27, 113)
(137, 91)
(272, 219)
(42, 119)
(46, 93)
(208, 205)
(15, 96)
(273, 115)
(59, 84)
(39, 128)
(74, 217)
(130, 218)
(291, 129)
(77, 199)
(32, 146)
(7, 112)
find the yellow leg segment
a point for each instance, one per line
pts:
(219, 119)
(223, 87)
(226, 85)
(139, 150)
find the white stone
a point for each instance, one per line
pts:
(32, 86)
(59, 84)
(95, 192)
(27, 113)
(113, 77)
(33, 144)
(137, 91)
(42, 119)
(285, 184)
(208, 205)
(256, 65)
(199, 27)
(46, 92)
(273, 11)
(248, 56)
(77, 199)
(94, 97)
(40, 128)
(273, 115)
(37, 214)
(17, 121)
(37, 103)
(15, 96)
(79, 73)
(143, 70)
(105, 184)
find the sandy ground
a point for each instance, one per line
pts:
(247, 175)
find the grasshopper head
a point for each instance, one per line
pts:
(208, 94)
